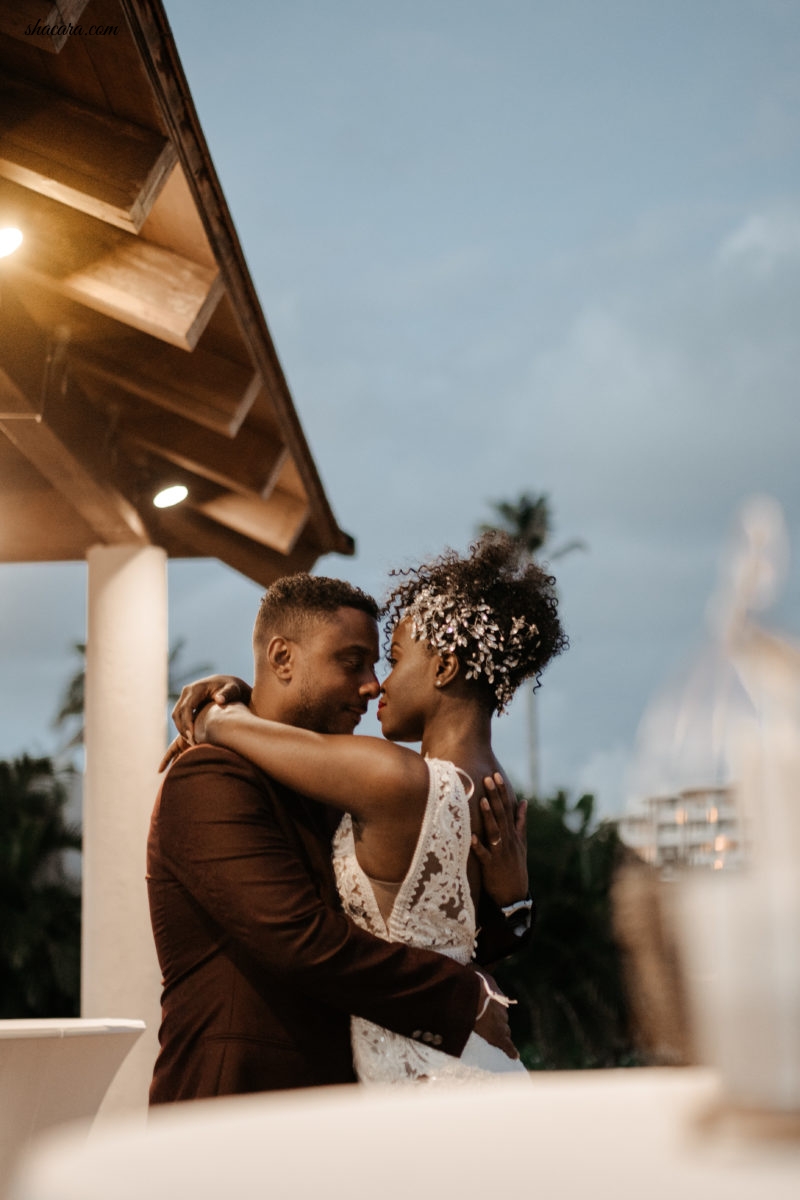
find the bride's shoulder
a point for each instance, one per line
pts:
(444, 772)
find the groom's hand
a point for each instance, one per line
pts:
(216, 689)
(493, 1025)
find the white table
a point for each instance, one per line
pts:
(55, 1070)
(606, 1135)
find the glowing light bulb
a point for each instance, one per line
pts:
(10, 240)
(170, 496)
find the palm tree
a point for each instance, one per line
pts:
(40, 906)
(73, 697)
(528, 521)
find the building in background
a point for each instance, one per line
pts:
(695, 827)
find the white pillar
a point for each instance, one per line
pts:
(126, 692)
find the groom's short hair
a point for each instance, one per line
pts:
(292, 603)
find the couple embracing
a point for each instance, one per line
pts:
(318, 900)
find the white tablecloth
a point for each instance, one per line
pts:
(605, 1135)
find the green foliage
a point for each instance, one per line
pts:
(572, 1011)
(40, 907)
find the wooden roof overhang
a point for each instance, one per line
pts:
(133, 349)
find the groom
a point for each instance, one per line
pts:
(261, 967)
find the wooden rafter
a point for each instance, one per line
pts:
(99, 503)
(24, 354)
(209, 389)
(245, 463)
(69, 448)
(195, 533)
(277, 522)
(26, 515)
(110, 271)
(89, 160)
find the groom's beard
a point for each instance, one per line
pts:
(321, 714)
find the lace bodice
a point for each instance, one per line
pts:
(433, 909)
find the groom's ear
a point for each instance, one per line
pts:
(280, 656)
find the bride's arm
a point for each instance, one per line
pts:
(362, 775)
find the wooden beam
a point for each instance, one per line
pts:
(28, 532)
(112, 518)
(69, 449)
(44, 23)
(89, 160)
(174, 222)
(110, 271)
(276, 522)
(24, 355)
(186, 532)
(248, 463)
(201, 387)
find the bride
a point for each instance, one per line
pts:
(464, 633)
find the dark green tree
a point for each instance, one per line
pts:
(572, 1011)
(40, 906)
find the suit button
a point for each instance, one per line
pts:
(417, 1033)
(427, 1037)
(437, 1040)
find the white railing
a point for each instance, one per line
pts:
(55, 1070)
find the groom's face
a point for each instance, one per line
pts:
(334, 671)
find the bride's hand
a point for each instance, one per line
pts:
(221, 689)
(210, 721)
(502, 853)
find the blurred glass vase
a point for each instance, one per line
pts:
(737, 925)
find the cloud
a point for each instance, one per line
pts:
(763, 241)
(676, 386)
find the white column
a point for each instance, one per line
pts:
(126, 691)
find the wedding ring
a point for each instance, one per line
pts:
(496, 842)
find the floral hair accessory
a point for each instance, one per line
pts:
(450, 624)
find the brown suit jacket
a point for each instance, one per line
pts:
(261, 967)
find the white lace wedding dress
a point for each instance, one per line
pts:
(433, 909)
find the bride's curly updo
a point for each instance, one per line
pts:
(494, 609)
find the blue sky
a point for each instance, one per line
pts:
(505, 246)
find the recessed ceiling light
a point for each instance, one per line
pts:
(10, 240)
(171, 495)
